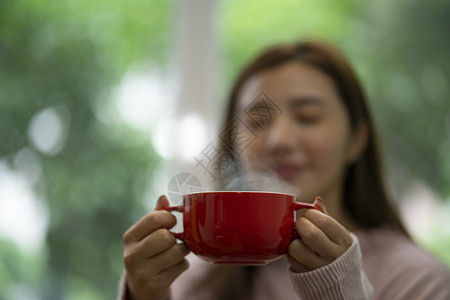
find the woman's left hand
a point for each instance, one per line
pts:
(322, 240)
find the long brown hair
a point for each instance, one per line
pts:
(365, 197)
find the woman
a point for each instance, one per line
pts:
(320, 139)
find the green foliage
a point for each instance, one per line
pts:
(68, 55)
(249, 26)
(410, 90)
(17, 268)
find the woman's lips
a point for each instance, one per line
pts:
(288, 170)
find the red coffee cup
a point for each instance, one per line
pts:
(252, 228)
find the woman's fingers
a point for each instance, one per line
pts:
(305, 256)
(330, 227)
(296, 266)
(152, 268)
(323, 239)
(316, 240)
(162, 203)
(168, 258)
(169, 275)
(318, 202)
(147, 285)
(152, 257)
(158, 241)
(148, 224)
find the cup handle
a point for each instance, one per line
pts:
(301, 205)
(178, 235)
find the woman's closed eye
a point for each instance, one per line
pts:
(308, 116)
(307, 110)
(258, 122)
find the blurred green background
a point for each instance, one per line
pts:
(74, 174)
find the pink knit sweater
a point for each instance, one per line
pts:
(380, 264)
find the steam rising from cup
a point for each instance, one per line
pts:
(234, 178)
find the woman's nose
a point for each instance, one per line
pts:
(280, 136)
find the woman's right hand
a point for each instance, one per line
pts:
(152, 258)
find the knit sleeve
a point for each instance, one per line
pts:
(123, 293)
(344, 278)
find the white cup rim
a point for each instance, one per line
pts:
(242, 192)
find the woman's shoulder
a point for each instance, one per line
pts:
(395, 248)
(392, 260)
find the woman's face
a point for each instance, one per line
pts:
(307, 140)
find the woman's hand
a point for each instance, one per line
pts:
(322, 240)
(152, 257)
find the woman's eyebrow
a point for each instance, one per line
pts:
(293, 102)
(305, 100)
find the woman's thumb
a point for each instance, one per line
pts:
(318, 202)
(162, 203)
